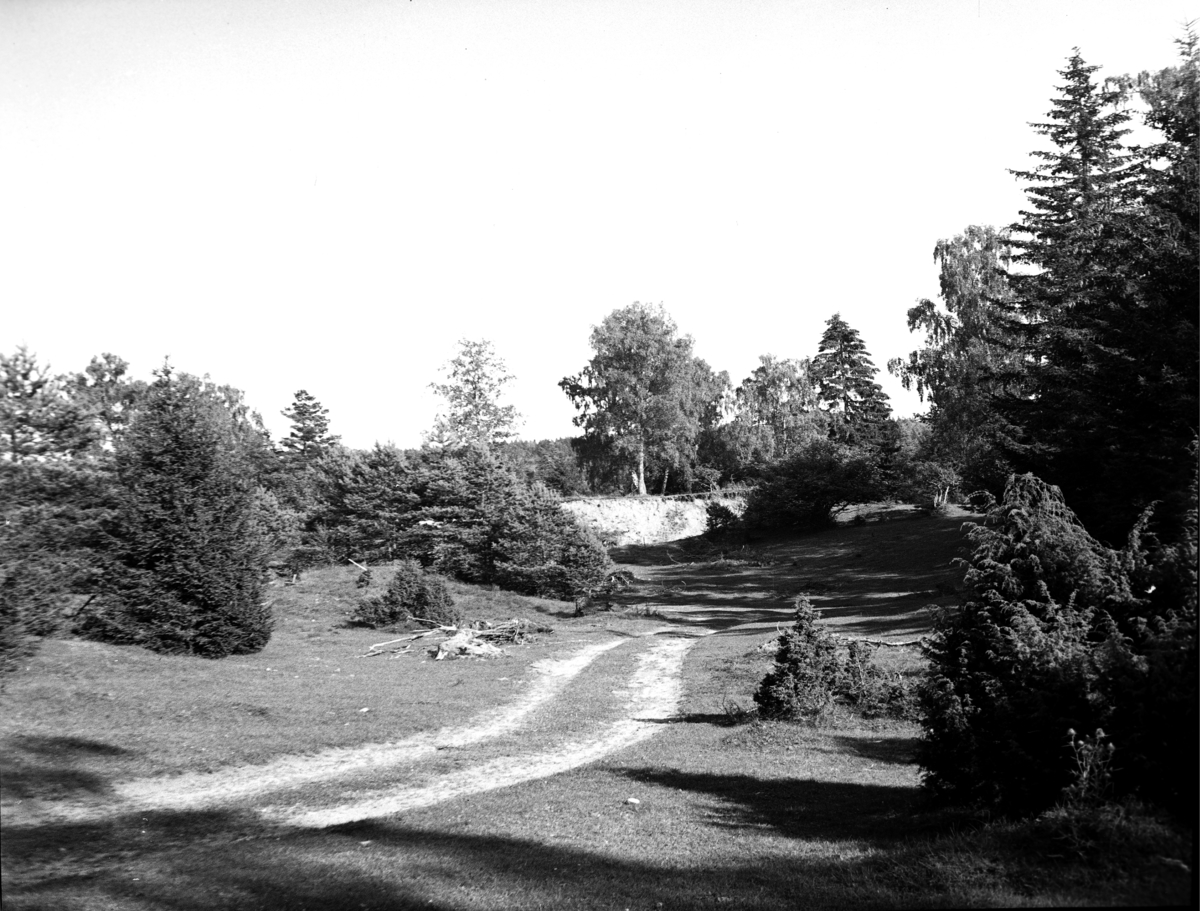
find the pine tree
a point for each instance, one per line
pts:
(185, 563)
(1106, 312)
(310, 436)
(38, 419)
(845, 377)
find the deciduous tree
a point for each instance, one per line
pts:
(968, 358)
(477, 379)
(643, 395)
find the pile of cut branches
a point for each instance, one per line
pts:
(481, 639)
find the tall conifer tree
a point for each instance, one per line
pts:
(310, 435)
(184, 568)
(845, 377)
(1106, 313)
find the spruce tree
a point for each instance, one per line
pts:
(310, 436)
(1105, 313)
(185, 561)
(845, 377)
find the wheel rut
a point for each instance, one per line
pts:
(382, 779)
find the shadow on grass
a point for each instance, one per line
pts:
(875, 580)
(195, 861)
(50, 767)
(898, 750)
(799, 808)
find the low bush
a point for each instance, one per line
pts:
(802, 683)
(811, 675)
(719, 520)
(413, 594)
(813, 485)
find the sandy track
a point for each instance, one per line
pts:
(653, 693)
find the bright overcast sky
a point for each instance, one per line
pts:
(328, 195)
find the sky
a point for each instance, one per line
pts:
(330, 195)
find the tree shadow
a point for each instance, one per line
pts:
(898, 750)
(874, 580)
(799, 808)
(195, 861)
(54, 767)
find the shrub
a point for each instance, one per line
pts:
(811, 675)
(413, 594)
(719, 519)
(806, 672)
(818, 481)
(540, 549)
(463, 513)
(1054, 635)
(183, 566)
(32, 601)
(871, 692)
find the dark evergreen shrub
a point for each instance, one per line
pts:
(33, 599)
(184, 562)
(819, 480)
(539, 549)
(805, 677)
(463, 513)
(412, 594)
(1056, 633)
(719, 520)
(811, 675)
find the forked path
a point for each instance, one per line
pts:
(651, 694)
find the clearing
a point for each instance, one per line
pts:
(609, 764)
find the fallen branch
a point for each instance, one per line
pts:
(880, 642)
(465, 639)
(772, 643)
(359, 565)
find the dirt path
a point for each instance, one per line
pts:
(652, 693)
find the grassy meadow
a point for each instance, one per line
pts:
(731, 812)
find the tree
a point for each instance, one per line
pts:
(38, 418)
(106, 392)
(968, 358)
(812, 485)
(774, 412)
(780, 396)
(464, 513)
(477, 381)
(644, 395)
(844, 374)
(1106, 312)
(185, 561)
(309, 437)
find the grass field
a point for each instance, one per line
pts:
(731, 812)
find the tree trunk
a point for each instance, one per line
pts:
(666, 474)
(641, 469)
